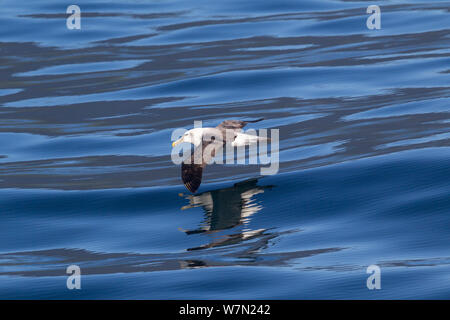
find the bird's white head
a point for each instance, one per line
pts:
(193, 136)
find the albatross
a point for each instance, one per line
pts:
(209, 139)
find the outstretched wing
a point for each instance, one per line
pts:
(192, 176)
(192, 167)
(235, 124)
(231, 129)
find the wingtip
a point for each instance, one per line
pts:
(191, 187)
(253, 121)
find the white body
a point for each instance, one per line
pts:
(196, 135)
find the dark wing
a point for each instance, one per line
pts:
(191, 174)
(235, 124)
(192, 167)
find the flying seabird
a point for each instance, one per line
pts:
(210, 139)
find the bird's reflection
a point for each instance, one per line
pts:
(226, 209)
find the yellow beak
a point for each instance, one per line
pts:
(177, 142)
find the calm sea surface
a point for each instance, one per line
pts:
(86, 176)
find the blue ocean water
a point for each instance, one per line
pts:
(86, 176)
